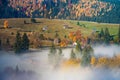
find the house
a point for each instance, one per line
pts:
(45, 28)
(67, 27)
(57, 41)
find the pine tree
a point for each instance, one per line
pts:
(7, 41)
(56, 35)
(119, 33)
(101, 33)
(33, 20)
(53, 49)
(17, 45)
(107, 36)
(25, 42)
(0, 44)
(60, 51)
(72, 56)
(78, 47)
(87, 53)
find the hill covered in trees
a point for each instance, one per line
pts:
(89, 10)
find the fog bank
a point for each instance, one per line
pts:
(35, 66)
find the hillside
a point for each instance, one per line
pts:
(88, 10)
(48, 28)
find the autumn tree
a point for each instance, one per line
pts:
(93, 61)
(63, 43)
(102, 61)
(25, 42)
(17, 45)
(5, 24)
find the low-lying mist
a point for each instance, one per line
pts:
(36, 66)
(108, 51)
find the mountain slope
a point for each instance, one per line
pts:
(88, 10)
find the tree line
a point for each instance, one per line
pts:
(21, 43)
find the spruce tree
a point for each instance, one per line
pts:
(7, 41)
(0, 44)
(78, 47)
(60, 51)
(101, 33)
(87, 53)
(107, 36)
(25, 42)
(72, 56)
(119, 33)
(53, 49)
(17, 45)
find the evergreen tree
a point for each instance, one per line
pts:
(107, 36)
(41, 37)
(53, 49)
(25, 42)
(7, 41)
(78, 47)
(119, 34)
(52, 54)
(60, 51)
(101, 33)
(72, 56)
(0, 44)
(78, 23)
(56, 35)
(33, 20)
(17, 45)
(87, 53)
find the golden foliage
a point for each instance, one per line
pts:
(63, 43)
(102, 60)
(5, 24)
(71, 63)
(75, 36)
(93, 61)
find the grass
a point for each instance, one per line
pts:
(54, 25)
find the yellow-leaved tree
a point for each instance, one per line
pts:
(93, 61)
(5, 24)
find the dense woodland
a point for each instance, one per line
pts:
(88, 10)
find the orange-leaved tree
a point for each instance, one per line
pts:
(5, 24)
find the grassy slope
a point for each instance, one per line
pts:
(53, 26)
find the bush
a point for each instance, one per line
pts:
(33, 20)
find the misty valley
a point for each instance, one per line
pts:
(61, 64)
(59, 39)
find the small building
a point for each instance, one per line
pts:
(45, 28)
(67, 26)
(57, 41)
